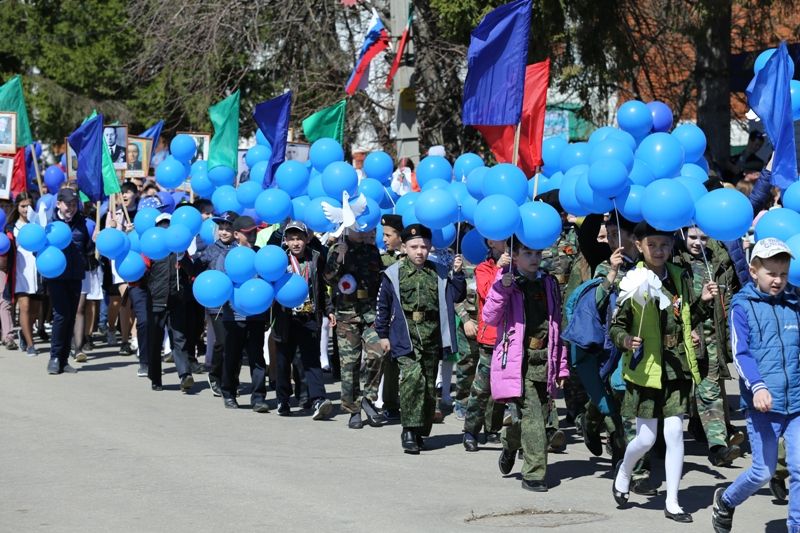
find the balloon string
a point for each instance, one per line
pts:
(619, 228)
(703, 252)
(391, 200)
(458, 228)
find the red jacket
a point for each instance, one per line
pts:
(485, 274)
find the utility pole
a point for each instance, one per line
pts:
(403, 92)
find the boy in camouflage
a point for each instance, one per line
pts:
(393, 244)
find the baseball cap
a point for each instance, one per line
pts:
(297, 225)
(151, 201)
(67, 195)
(162, 217)
(770, 247)
(244, 224)
(226, 217)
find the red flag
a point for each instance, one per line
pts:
(501, 138)
(401, 48)
(19, 178)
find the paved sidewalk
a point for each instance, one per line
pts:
(99, 451)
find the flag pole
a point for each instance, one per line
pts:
(536, 182)
(97, 227)
(124, 208)
(515, 157)
(36, 169)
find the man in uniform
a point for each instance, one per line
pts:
(415, 322)
(353, 270)
(392, 228)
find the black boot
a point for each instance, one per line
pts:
(409, 442)
(470, 444)
(373, 418)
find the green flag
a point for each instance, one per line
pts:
(110, 179)
(12, 99)
(327, 122)
(225, 142)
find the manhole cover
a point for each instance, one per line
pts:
(535, 518)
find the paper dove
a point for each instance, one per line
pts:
(642, 285)
(346, 215)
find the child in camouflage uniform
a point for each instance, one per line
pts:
(393, 244)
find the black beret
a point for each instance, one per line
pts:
(551, 197)
(393, 221)
(415, 231)
(643, 229)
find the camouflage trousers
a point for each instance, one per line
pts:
(466, 366)
(575, 397)
(482, 411)
(418, 372)
(356, 338)
(529, 433)
(595, 422)
(709, 407)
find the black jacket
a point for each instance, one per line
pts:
(168, 278)
(79, 250)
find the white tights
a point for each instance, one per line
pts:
(646, 429)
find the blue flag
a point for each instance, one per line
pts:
(272, 118)
(498, 52)
(153, 132)
(88, 143)
(30, 169)
(768, 95)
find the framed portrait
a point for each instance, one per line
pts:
(8, 132)
(72, 162)
(243, 174)
(137, 158)
(6, 175)
(116, 138)
(297, 152)
(203, 141)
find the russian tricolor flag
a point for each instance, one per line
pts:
(375, 42)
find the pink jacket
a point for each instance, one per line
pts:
(505, 309)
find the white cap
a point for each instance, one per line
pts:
(770, 247)
(163, 216)
(436, 150)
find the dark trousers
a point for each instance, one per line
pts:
(241, 335)
(65, 296)
(141, 305)
(218, 351)
(299, 336)
(176, 322)
(195, 324)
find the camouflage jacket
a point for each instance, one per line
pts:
(559, 259)
(355, 282)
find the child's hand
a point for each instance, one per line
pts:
(332, 320)
(458, 262)
(507, 279)
(470, 329)
(710, 290)
(342, 249)
(386, 346)
(762, 400)
(504, 260)
(561, 383)
(633, 343)
(616, 259)
(695, 339)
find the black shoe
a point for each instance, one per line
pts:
(155, 387)
(355, 421)
(409, 442)
(53, 367)
(642, 487)
(592, 440)
(492, 438)
(506, 461)
(724, 455)
(683, 518)
(230, 403)
(557, 441)
(777, 488)
(391, 415)
(187, 382)
(373, 418)
(259, 406)
(620, 497)
(722, 517)
(534, 485)
(66, 369)
(126, 349)
(420, 441)
(197, 368)
(213, 383)
(735, 436)
(284, 409)
(470, 444)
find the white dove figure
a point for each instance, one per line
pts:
(346, 215)
(642, 285)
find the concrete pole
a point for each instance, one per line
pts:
(404, 94)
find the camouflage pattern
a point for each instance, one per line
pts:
(710, 408)
(418, 389)
(419, 293)
(559, 259)
(391, 371)
(482, 412)
(529, 432)
(467, 348)
(356, 337)
(390, 258)
(362, 262)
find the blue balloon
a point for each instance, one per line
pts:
(145, 219)
(497, 217)
(506, 179)
(406, 203)
(324, 152)
(641, 174)
(794, 266)
(372, 188)
(436, 208)
(724, 214)
(257, 153)
(444, 237)
(136, 246)
(132, 267)
(436, 184)
(212, 288)
(188, 216)
(551, 151)
(763, 57)
(389, 199)
(292, 177)
(273, 205)
(291, 290)
(779, 223)
(574, 154)
(794, 92)
(552, 183)
(630, 205)
(261, 139)
(667, 205)
(183, 147)
(475, 182)
(240, 264)
(339, 177)
(379, 166)
(299, 205)
(590, 199)
(54, 177)
(315, 217)
(540, 225)
(271, 262)
(202, 186)
(178, 238)
(113, 243)
(465, 164)
(695, 172)
(468, 207)
(662, 153)
(258, 172)
(221, 175)
(661, 115)
(695, 188)
(253, 297)
(541, 186)
(601, 134)
(608, 177)
(224, 199)
(59, 234)
(567, 196)
(623, 136)
(369, 219)
(315, 189)
(5, 243)
(459, 191)
(170, 173)
(50, 262)
(434, 167)
(247, 193)
(207, 230)
(410, 217)
(791, 197)
(32, 237)
(634, 117)
(198, 167)
(692, 139)
(154, 243)
(473, 247)
(615, 149)
(702, 163)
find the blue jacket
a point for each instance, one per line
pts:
(390, 321)
(761, 193)
(765, 338)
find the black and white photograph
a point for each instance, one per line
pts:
(6, 174)
(116, 138)
(8, 132)
(137, 159)
(243, 172)
(72, 162)
(297, 152)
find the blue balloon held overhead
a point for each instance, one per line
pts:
(695, 188)
(465, 164)
(315, 189)
(497, 217)
(791, 197)
(615, 149)
(551, 151)
(247, 193)
(132, 267)
(572, 155)
(183, 147)
(779, 223)
(475, 181)
(640, 174)
(224, 199)
(257, 153)
(634, 117)
(379, 166)
(154, 243)
(436, 208)
(436, 184)
(273, 205)
(590, 199)
(291, 290)
(724, 214)
(567, 196)
(212, 288)
(207, 230)
(271, 262)
(292, 177)
(508, 180)
(661, 115)
(222, 175)
(663, 155)
(113, 243)
(372, 188)
(315, 217)
(253, 297)
(695, 172)
(188, 216)
(32, 237)
(370, 217)
(442, 238)
(258, 172)
(170, 173)
(667, 205)
(406, 202)
(434, 167)
(608, 177)
(339, 177)
(540, 225)
(145, 219)
(202, 186)
(630, 205)
(299, 207)
(262, 139)
(54, 177)
(794, 266)
(693, 141)
(51, 262)
(59, 234)
(178, 238)
(324, 152)
(240, 264)
(473, 247)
